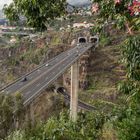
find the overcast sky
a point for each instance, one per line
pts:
(2, 2)
(78, 2)
(72, 2)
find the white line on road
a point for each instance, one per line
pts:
(20, 83)
(27, 92)
(38, 84)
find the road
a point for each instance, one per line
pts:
(80, 103)
(14, 33)
(44, 75)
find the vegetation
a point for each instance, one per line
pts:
(125, 16)
(88, 126)
(123, 13)
(128, 121)
(121, 121)
(10, 108)
(123, 118)
(38, 13)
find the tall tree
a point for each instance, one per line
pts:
(124, 13)
(10, 109)
(36, 12)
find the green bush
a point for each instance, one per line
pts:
(87, 127)
(128, 122)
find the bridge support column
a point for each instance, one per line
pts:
(74, 91)
(32, 115)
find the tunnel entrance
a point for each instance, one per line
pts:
(93, 40)
(61, 89)
(82, 40)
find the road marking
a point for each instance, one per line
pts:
(7, 92)
(38, 85)
(20, 84)
(27, 92)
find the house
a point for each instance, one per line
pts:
(83, 25)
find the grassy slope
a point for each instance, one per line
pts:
(105, 73)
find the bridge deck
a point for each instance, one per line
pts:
(42, 77)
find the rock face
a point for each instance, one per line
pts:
(7, 52)
(43, 107)
(84, 67)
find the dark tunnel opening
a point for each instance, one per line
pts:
(93, 40)
(61, 89)
(82, 40)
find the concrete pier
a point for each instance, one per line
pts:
(74, 91)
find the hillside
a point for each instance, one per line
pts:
(104, 73)
(108, 75)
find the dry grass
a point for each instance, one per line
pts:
(104, 75)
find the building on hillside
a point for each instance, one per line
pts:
(83, 25)
(13, 39)
(3, 21)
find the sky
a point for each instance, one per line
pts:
(78, 2)
(2, 2)
(72, 2)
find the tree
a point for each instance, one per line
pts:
(129, 120)
(88, 127)
(10, 108)
(11, 13)
(6, 111)
(125, 14)
(36, 12)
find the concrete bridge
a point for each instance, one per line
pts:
(32, 84)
